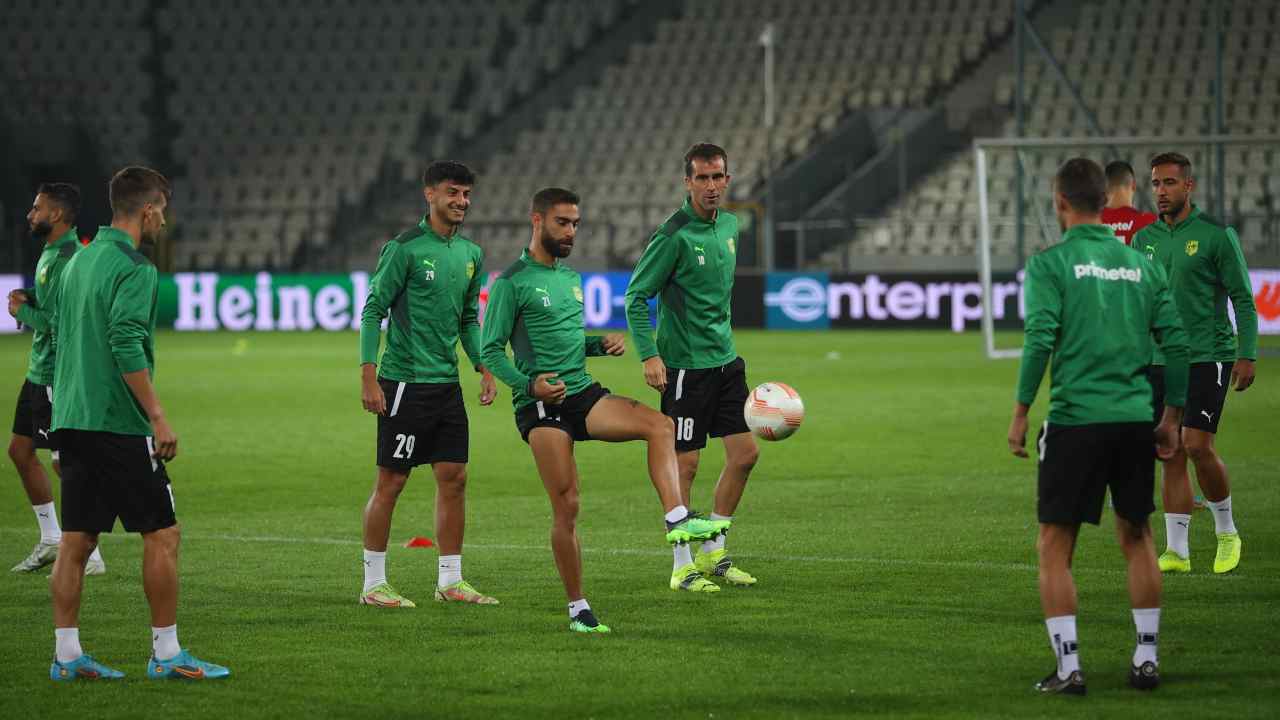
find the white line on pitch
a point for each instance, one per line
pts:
(839, 560)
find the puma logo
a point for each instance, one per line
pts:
(44, 434)
(429, 263)
(1208, 415)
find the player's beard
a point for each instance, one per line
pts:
(553, 246)
(1175, 210)
(41, 231)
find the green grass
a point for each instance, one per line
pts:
(893, 537)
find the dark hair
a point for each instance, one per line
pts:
(66, 195)
(1173, 158)
(135, 186)
(1119, 172)
(547, 198)
(704, 151)
(1084, 185)
(442, 170)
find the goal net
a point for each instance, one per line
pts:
(1232, 176)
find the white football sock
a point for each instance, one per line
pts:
(1147, 620)
(375, 569)
(450, 571)
(677, 514)
(67, 644)
(717, 542)
(1176, 527)
(1062, 637)
(1223, 521)
(682, 556)
(164, 642)
(96, 554)
(50, 533)
(578, 606)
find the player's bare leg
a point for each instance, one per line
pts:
(688, 464)
(553, 453)
(619, 419)
(1178, 503)
(22, 451)
(1139, 550)
(1055, 546)
(67, 581)
(451, 506)
(160, 574)
(381, 505)
(712, 560)
(377, 531)
(451, 519)
(740, 456)
(1211, 473)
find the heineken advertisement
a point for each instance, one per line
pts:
(213, 301)
(265, 302)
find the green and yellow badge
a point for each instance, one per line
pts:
(1192, 246)
(471, 270)
(733, 245)
(577, 294)
(44, 274)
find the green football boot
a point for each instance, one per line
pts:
(717, 564)
(1228, 553)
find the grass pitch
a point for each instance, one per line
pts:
(893, 537)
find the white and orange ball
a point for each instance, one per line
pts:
(773, 411)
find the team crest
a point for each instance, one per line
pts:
(44, 274)
(1192, 247)
(733, 245)
(577, 294)
(471, 270)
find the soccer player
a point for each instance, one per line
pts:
(689, 264)
(1119, 214)
(536, 305)
(428, 278)
(1205, 267)
(52, 221)
(1099, 432)
(112, 431)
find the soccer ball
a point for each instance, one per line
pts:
(773, 411)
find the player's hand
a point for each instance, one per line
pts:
(614, 344)
(1241, 374)
(488, 388)
(371, 395)
(1018, 436)
(548, 389)
(17, 299)
(655, 373)
(166, 441)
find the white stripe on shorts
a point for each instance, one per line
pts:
(542, 410)
(1044, 440)
(679, 384)
(395, 404)
(48, 390)
(1219, 374)
(151, 453)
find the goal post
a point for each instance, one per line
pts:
(1232, 173)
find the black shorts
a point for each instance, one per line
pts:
(1207, 385)
(1079, 462)
(425, 423)
(105, 476)
(570, 415)
(706, 402)
(34, 414)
